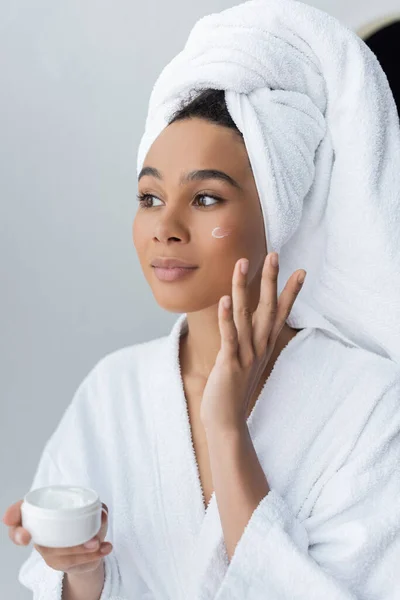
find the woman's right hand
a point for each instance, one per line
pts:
(74, 560)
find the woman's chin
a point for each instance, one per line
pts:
(182, 303)
(177, 307)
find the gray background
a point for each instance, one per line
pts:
(75, 80)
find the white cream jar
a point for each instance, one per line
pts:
(61, 516)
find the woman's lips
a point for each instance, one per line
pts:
(173, 273)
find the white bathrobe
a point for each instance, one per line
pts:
(326, 430)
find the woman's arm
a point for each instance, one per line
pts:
(84, 586)
(348, 547)
(70, 458)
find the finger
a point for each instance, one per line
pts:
(241, 312)
(66, 562)
(101, 534)
(45, 551)
(265, 315)
(12, 516)
(227, 328)
(19, 535)
(286, 300)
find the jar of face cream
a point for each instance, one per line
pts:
(61, 516)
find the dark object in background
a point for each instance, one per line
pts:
(384, 42)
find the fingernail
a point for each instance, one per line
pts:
(244, 266)
(92, 544)
(105, 549)
(301, 278)
(274, 260)
(227, 302)
(18, 538)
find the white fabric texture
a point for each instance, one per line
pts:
(322, 133)
(326, 431)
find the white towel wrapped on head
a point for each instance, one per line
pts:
(322, 133)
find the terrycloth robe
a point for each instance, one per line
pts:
(326, 431)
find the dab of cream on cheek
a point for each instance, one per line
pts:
(219, 232)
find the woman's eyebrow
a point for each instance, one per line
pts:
(197, 175)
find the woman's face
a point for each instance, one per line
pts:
(176, 222)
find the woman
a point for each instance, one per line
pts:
(253, 452)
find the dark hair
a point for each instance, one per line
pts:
(384, 43)
(209, 105)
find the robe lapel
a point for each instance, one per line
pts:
(188, 526)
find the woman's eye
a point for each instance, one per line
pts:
(144, 200)
(217, 200)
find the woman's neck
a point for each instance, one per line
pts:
(200, 344)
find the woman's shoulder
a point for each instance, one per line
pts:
(128, 359)
(324, 345)
(342, 374)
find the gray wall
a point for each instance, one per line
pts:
(75, 79)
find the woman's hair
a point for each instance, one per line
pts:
(209, 105)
